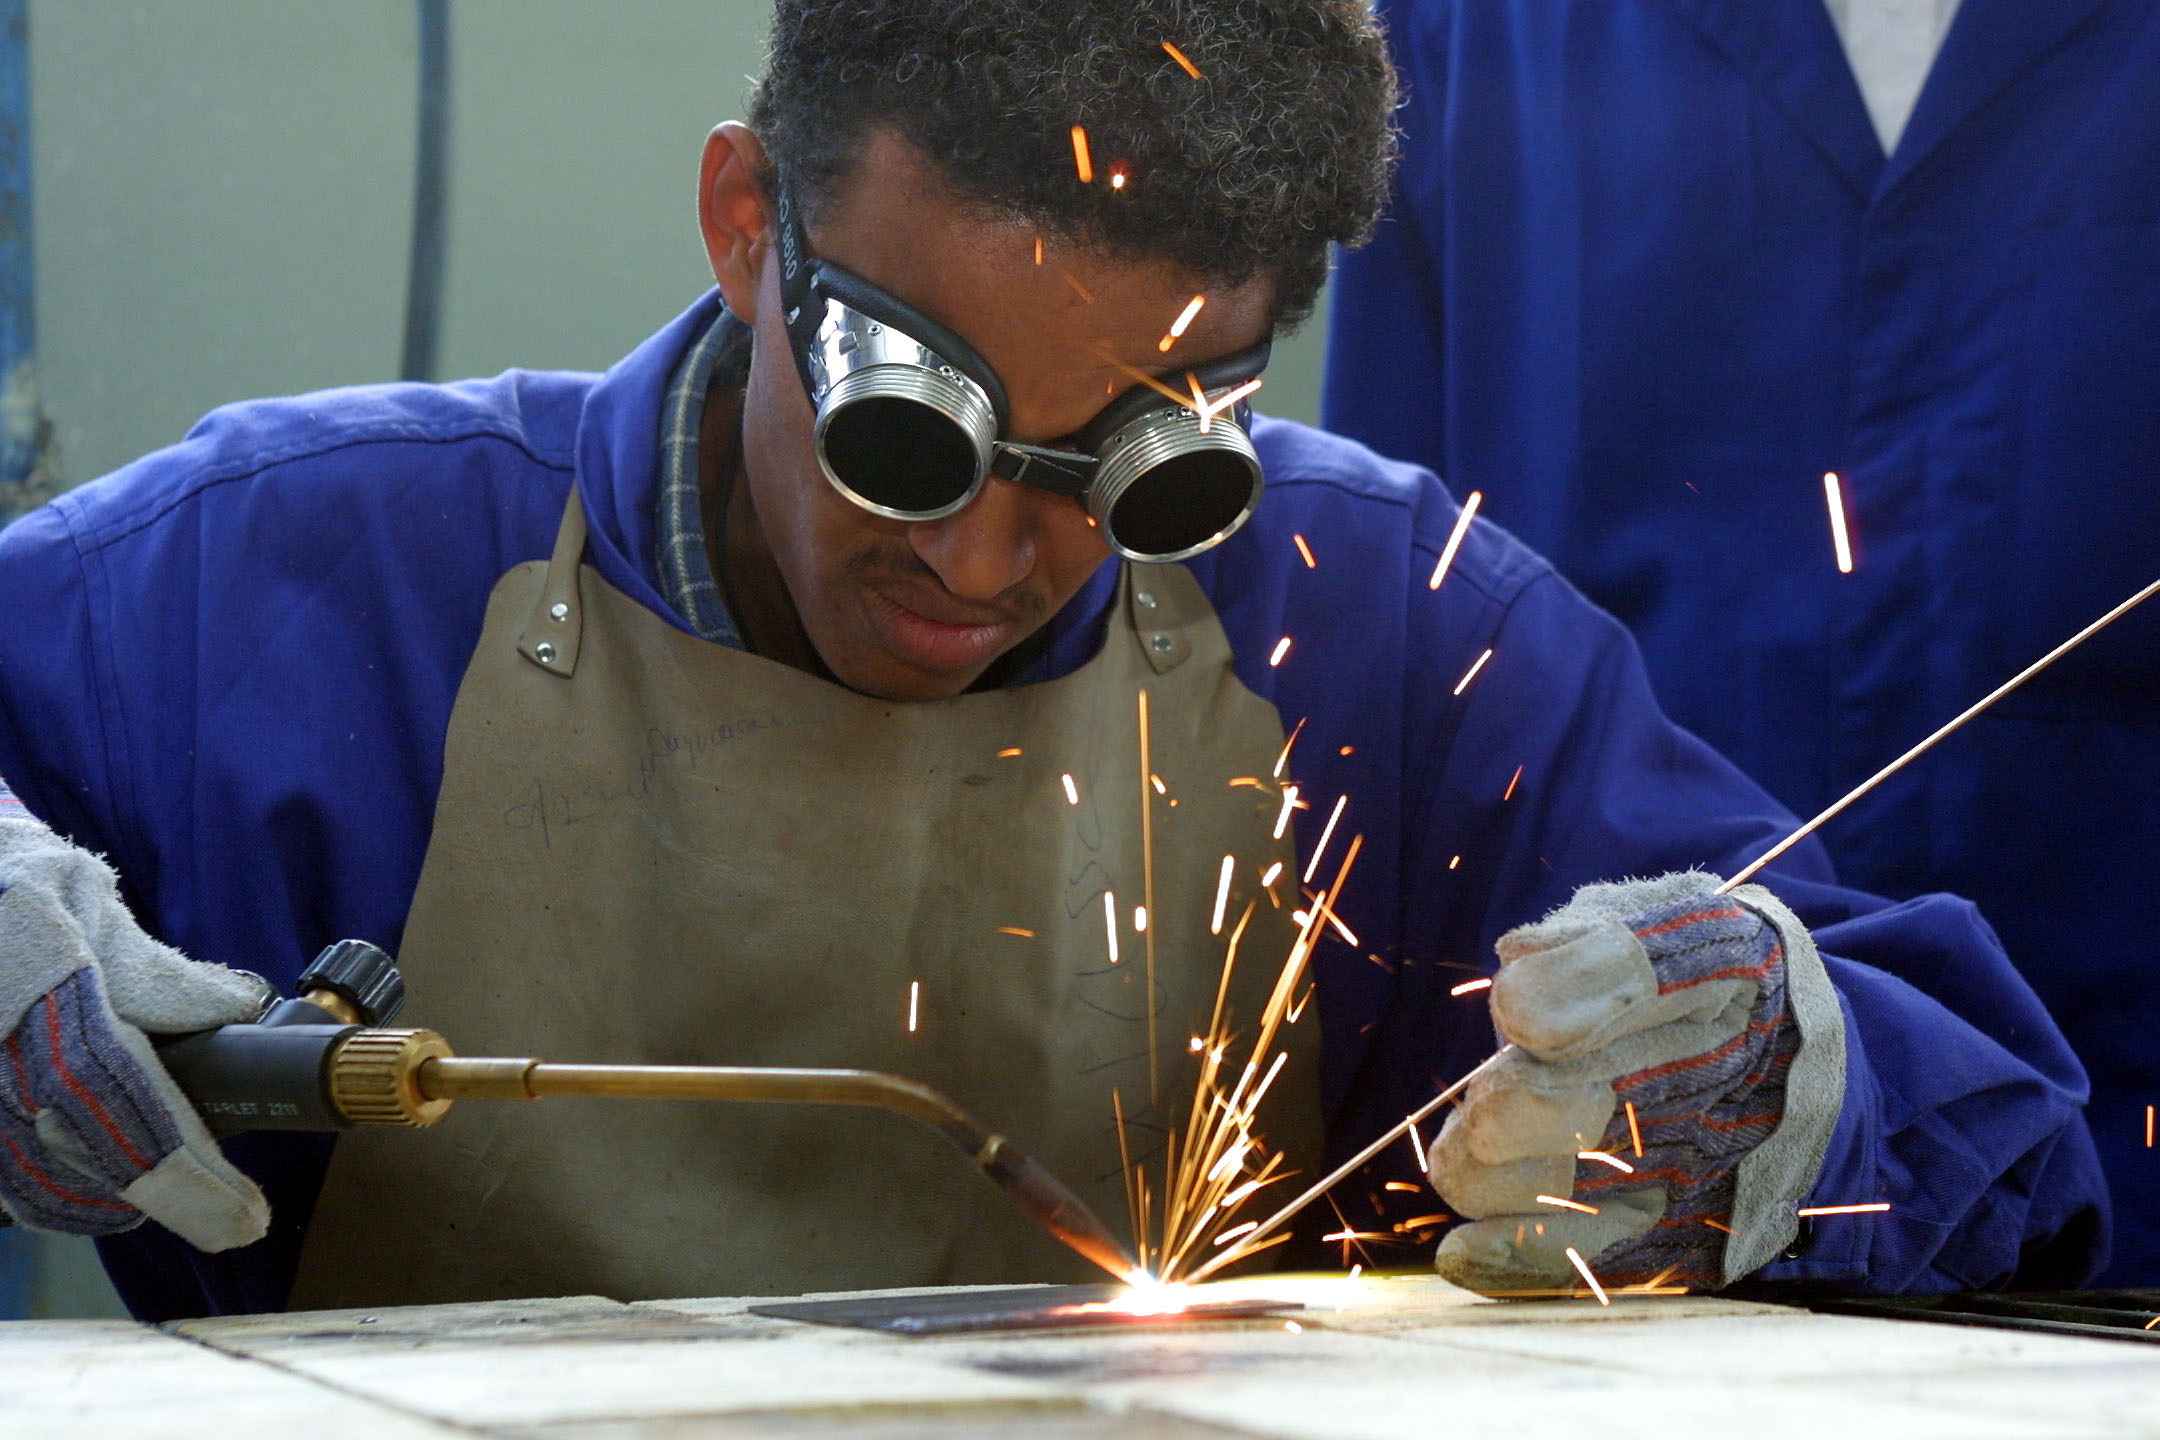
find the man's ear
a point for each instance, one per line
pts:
(732, 214)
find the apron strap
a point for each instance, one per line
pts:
(1170, 616)
(557, 623)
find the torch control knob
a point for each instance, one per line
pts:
(362, 975)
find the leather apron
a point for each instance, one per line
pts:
(649, 848)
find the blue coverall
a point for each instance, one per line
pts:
(1648, 276)
(247, 647)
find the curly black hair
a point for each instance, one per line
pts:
(1281, 144)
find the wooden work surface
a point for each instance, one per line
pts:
(1422, 1359)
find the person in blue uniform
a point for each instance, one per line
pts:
(1652, 270)
(711, 708)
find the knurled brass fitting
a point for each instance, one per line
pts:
(374, 1078)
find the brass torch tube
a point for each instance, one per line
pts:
(1042, 1195)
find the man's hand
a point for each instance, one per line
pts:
(93, 1133)
(1679, 1064)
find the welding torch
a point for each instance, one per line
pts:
(326, 1061)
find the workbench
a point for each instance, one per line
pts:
(1419, 1359)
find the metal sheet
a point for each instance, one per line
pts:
(1028, 1307)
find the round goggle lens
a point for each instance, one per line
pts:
(899, 454)
(1182, 502)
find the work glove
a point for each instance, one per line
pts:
(94, 1135)
(1713, 1018)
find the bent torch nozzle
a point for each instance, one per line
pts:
(328, 1077)
(438, 1079)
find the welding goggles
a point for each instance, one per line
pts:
(910, 421)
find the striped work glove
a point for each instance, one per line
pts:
(93, 1133)
(1679, 1064)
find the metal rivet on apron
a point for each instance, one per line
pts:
(1162, 643)
(1146, 598)
(545, 652)
(559, 611)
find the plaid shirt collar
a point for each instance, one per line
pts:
(686, 575)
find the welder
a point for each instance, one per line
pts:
(841, 678)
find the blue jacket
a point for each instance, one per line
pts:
(247, 647)
(1648, 276)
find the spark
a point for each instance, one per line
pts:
(1147, 884)
(1078, 289)
(1584, 1270)
(1211, 408)
(1925, 745)
(1310, 563)
(1357, 1270)
(1024, 934)
(1184, 64)
(1038, 249)
(1072, 791)
(2149, 1109)
(1417, 1145)
(1218, 1161)
(1271, 875)
(1117, 176)
(1454, 862)
(1455, 538)
(1604, 1159)
(2149, 1324)
(1160, 788)
(1513, 780)
(1468, 986)
(1289, 803)
(1008, 753)
(914, 1003)
(1334, 1177)
(1347, 750)
(1304, 917)
(1222, 894)
(1197, 1045)
(1634, 1130)
(1575, 1205)
(1471, 674)
(1282, 648)
(1293, 1327)
(1402, 1185)
(1109, 913)
(1144, 378)
(1837, 523)
(1718, 1225)
(1419, 1222)
(1321, 848)
(1246, 780)
(1082, 161)
(1283, 759)
(1139, 919)
(1184, 319)
(1873, 1207)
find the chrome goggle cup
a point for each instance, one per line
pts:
(1168, 486)
(899, 431)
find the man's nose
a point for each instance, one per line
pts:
(984, 548)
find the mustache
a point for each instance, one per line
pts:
(894, 561)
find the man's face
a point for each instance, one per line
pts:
(917, 610)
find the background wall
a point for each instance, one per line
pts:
(222, 196)
(223, 193)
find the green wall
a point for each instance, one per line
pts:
(223, 191)
(223, 196)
